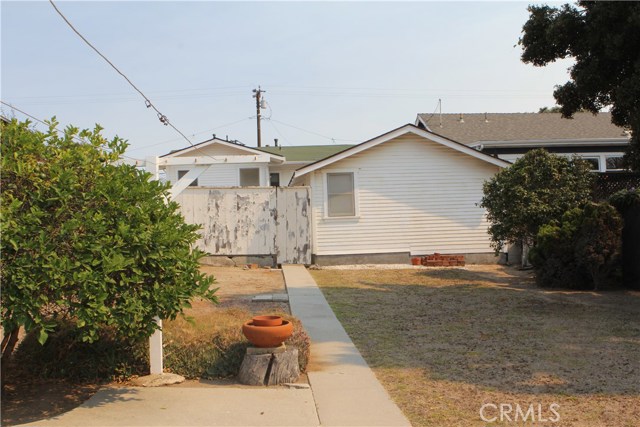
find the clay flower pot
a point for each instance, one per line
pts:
(267, 336)
(267, 321)
(416, 261)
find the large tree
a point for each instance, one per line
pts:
(604, 39)
(537, 189)
(88, 240)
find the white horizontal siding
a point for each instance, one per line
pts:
(413, 195)
(221, 175)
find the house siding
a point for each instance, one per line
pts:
(219, 175)
(413, 195)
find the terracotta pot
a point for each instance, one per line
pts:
(267, 320)
(267, 336)
(416, 261)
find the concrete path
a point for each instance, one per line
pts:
(201, 406)
(345, 390)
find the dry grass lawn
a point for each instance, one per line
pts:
(446, 341)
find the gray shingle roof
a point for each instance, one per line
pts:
(521, 126)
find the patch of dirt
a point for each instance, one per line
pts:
(29, 400)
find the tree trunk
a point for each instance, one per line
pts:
(8, 345)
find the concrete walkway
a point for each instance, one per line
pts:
(196, 406)
(345, 390)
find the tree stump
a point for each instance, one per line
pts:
(269, 366)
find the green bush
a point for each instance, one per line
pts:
(580, 252)
(628, 205)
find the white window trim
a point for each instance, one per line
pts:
(325, 213)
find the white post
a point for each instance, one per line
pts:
(155, 349)
(155, 340)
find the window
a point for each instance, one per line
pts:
(341, 194)
(183, 173)
(594, 162)
(250, 177)
(274, 179)
(614, 163)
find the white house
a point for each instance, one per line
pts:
(230, 164)
(510, 135)
(406, 192)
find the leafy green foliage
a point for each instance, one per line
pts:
(627, 202)
(603, 38)
(581, 251)
(86, 239)
(537, 189)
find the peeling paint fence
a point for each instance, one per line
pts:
(251, 221)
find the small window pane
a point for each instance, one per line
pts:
(340, 194)
(614, 163)
(194, 183)
(274, 179)
(249, 177)
(594, 162)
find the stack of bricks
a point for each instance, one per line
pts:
(437, 260)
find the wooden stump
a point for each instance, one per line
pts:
(269, 366)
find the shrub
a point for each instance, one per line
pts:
(537, 189)
(628, 205)
(581, 251)
(88, 240)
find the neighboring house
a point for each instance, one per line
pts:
(406, 192)
(241, 166)
(510, 135)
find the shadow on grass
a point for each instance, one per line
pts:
(496, 332)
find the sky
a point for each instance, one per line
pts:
(332, 72)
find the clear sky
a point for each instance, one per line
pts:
(348, 71)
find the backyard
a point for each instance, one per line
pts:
(445, 342)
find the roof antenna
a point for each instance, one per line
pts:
(440, 108)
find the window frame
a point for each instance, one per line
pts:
(247, 168)
(271, 181)
(193, 183)
(356, 204)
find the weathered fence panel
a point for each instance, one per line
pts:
(251, 221)
(293, 239)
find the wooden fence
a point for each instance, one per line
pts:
(251, 221)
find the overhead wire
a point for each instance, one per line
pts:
(312, 132)
(163, 119)
(77, 139)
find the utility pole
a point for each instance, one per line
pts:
(257, 94)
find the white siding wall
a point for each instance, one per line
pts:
(413, 195)
(219, 175)
(286, 172)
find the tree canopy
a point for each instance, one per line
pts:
(537, 189)
(604, 39)
(89, 240)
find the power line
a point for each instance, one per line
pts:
(196, 133)
(312, 132)
(13, 107)
(163, 119)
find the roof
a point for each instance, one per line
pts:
(408, 128)
(306, 153)
(520, 126)
(211, 141)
